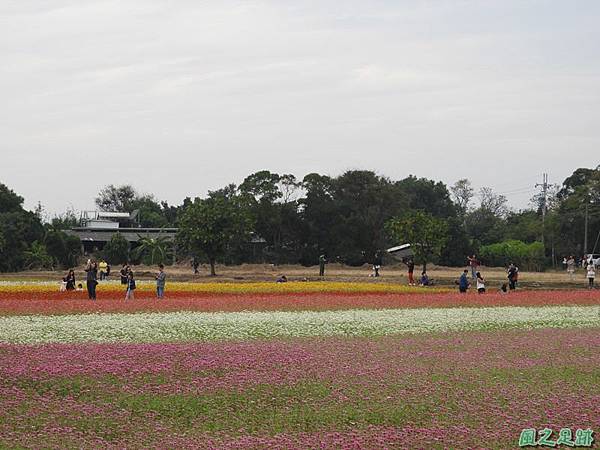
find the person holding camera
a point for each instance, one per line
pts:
(91, 278)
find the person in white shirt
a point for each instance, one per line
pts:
(591, 275)
(480, 283)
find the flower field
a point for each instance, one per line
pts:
(356, 366)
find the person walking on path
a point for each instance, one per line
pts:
(463, 282)
(91, 279)
(410, 263)
(161, 278)
(591, 275)
(377, 263)
(129, 293)
(512, 276)
(322, 262)
(480, 283)
(474, 264)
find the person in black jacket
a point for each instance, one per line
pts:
(512, 276)
(91, 278)
(129, 293)
(70, 280)
(124, 272)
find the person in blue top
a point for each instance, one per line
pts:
(463, 282)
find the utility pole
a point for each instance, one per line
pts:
(544, 187)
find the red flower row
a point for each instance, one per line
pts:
(69, 303)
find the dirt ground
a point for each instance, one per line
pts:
(443, 276)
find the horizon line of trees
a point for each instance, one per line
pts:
(282, 220)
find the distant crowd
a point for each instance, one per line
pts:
(471, 276)
(100, 271)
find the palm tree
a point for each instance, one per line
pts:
(157, 248)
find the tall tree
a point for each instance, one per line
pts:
(462, 193)
(118, 199)
(493, 203)
(116, 251)
(208, 226)
(19, 229)
(427, 234)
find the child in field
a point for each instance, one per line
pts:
(480, 283)
(129, 294)
(591, 275)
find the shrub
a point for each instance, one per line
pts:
(527, 256)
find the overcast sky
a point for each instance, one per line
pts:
(180, 97)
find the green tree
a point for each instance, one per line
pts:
(9, 201)
(116, 251)
(462, 193)
(116, 198)
(527, 256)
(426, 233)
(209, 226)
(150, 212)
(579, 193)
(37, 257)
(65, 221)
(155, 250)
(62, 248)
(19, 229)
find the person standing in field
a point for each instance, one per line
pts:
(571, 266)
(124, 272)
(195, 263)
(480, 283)
(474, 264)
(91, 279)
(591, 275)
(410, 264)
(161, 278)
(512, 276)
(463, 282)
(377, 262)
(102, 268)
(129, 293)
(322, 262)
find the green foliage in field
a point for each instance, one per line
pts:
(527, 256)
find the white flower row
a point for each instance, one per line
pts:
(26, 283)
(198, 326)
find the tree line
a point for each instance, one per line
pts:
(280, 219)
